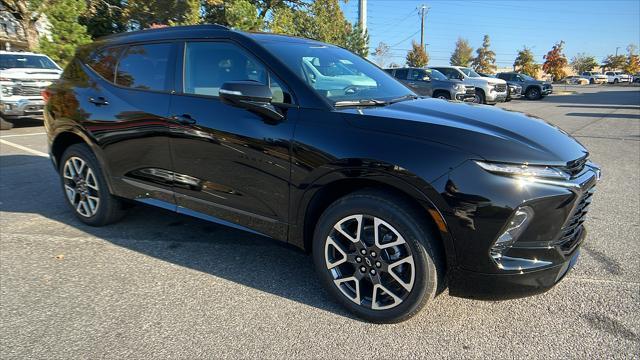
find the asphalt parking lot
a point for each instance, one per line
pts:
(161, 285)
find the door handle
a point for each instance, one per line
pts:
(98, 101)
(184, 119)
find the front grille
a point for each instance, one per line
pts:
(501, 87)
(27, 90)
(470, 90)
(575, 167)
(573, 228)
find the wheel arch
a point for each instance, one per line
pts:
(442, 91)
(326, 190)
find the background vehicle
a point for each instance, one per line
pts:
(391, 193)
(514, 91)
(614, 77)
(575, 80)
(428, 82)
(532, 89)
(23, 76)
(595, 77)
(488, 90)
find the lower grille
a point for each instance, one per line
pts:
(470, 90)
(573, 228)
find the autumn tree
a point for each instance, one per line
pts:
(555, 62)
(485, 60)
(27, 13)
(66, 31)
(614, 62)
(463, 53)
(583, 62)
(633, 60)
(382, 54)
(525, 62)
(417, 57)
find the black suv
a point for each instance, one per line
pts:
(532, 89)
(395, 196)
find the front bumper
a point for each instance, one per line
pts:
(465, 96)
(547, 90)
(18, 107)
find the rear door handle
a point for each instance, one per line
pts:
(184, 119)
(98, 101)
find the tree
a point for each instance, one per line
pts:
(104, 17)
(358, 41)
(633, 60)
(381, 54)
(463, 53)
(614, 62)
(525, 62)
(66, 32)
(583, 62)
(485, 61)
(27, 13)
(555, 62)
(417, 57)
(141, 14)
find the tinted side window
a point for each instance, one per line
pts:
(104, 62)
(402, 74)
(144, 67)
(208, 65)
(419, 74)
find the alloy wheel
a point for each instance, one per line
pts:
(81, 186)
(370, 262)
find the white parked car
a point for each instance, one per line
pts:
(595, 77)
(615, 77)
(23, 76)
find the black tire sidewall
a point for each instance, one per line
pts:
(107, 203)
(425, 283)
(480, 95)
(533, 94)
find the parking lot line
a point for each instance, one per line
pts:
(18, 135)
(24, 148)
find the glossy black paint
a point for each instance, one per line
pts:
(199, 156)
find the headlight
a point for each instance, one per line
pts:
(6, 90)
(524, 170)
(459, 87)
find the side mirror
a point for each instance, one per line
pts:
(250, 95)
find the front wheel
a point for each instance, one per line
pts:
(85, 187)
(533, 93)
(375, 255)
(615, 81)
(479, 97)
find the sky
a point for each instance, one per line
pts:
(593, 27)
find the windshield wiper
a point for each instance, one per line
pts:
(403, 98)
(361, 102)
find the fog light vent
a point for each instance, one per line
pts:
(514, 228)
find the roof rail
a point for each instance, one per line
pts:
(167, 29)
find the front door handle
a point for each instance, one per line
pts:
(184, 119)
(99, 101)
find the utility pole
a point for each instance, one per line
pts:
(362, 15)
(617, 47)
(423, 11)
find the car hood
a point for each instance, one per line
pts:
(31, 74)
(487, 132)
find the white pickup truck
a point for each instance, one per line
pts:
(595, 77)
(23, 76)
(615, 77)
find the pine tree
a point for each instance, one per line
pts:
(66, 31)
(358, 41)
(525, 62)
(555, 62)
(104, 17)
(417, 57)
(463, 53)
(485, 61)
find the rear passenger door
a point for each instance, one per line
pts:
(420, 81)
(230, 163)
(127, 113)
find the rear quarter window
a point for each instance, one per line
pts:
(104, 61)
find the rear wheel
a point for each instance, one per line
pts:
(85, 187)
(374, 254)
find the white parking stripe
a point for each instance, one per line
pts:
(24, 148)
(17, 135)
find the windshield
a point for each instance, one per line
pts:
(527, 77)
(469, 72)
(337, 74)
(10, 61)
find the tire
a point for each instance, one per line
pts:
(615, 81)
(592, 81)
(480, 98)
(403, 235)
(85, 188)
(5, 125)
(442, 95)
(533, 93)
